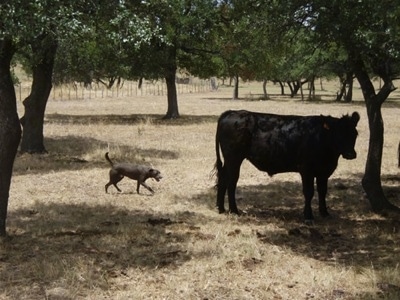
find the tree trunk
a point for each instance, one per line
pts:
(371, 180)
(172, 112)
(282, 87)
(236, 88)
(296, 86)
(349, 80)
(342, 91)
(311, 90)
(291, 88)
(346, 87)
(265, 89)
(10, 129)
(301, 91)
(35, 103)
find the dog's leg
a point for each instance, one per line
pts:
(107, 185)
(115, 177)
(114, 184)
(119, 190)
(145, 185)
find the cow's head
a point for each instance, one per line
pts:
(345, 135)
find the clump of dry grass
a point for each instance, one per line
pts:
(70, 240)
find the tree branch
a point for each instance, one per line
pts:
(387, 88)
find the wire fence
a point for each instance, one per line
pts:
(78, 91)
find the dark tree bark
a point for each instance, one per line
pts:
(170, 80)
(265, 89)
(342, 91)
(172, 97)
(291, 88)
(172, 112)
(282, 87)
(350, 80)
(371, 180)
(10, 129)
(35, 104)
(235, 95)
(346, 87)
(295, 86)
(301, 91)
(311, 93)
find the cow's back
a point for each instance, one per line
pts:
(273, 143)
(285, 143)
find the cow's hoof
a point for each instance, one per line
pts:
(309, 222)
(235, 212)
(221, 210)
(324, 214)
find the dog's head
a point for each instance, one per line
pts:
(155, 174)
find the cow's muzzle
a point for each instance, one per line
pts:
(350, 155)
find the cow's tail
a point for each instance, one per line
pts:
(398, 155)
(108, 159)
(218, 166)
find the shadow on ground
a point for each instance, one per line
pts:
(322, 99)
(69, 152)
(351, 236)
(48, 243)
(129, 119)
(56, 242)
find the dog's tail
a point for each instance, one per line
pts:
(108, 159)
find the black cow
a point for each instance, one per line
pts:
(309, 145)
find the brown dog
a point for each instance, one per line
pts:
(136, 172)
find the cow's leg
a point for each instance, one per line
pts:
(308, 192)
(221, 190)
(232, 173)
(322, 187)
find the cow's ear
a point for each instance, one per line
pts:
(326, 126)
(355, 117)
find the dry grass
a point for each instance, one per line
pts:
(70, 240)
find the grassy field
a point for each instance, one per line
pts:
(71, 240)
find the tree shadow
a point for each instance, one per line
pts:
(69, 152)
(351, 236)
(47, 241)
(129, 119)
(110, 240)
